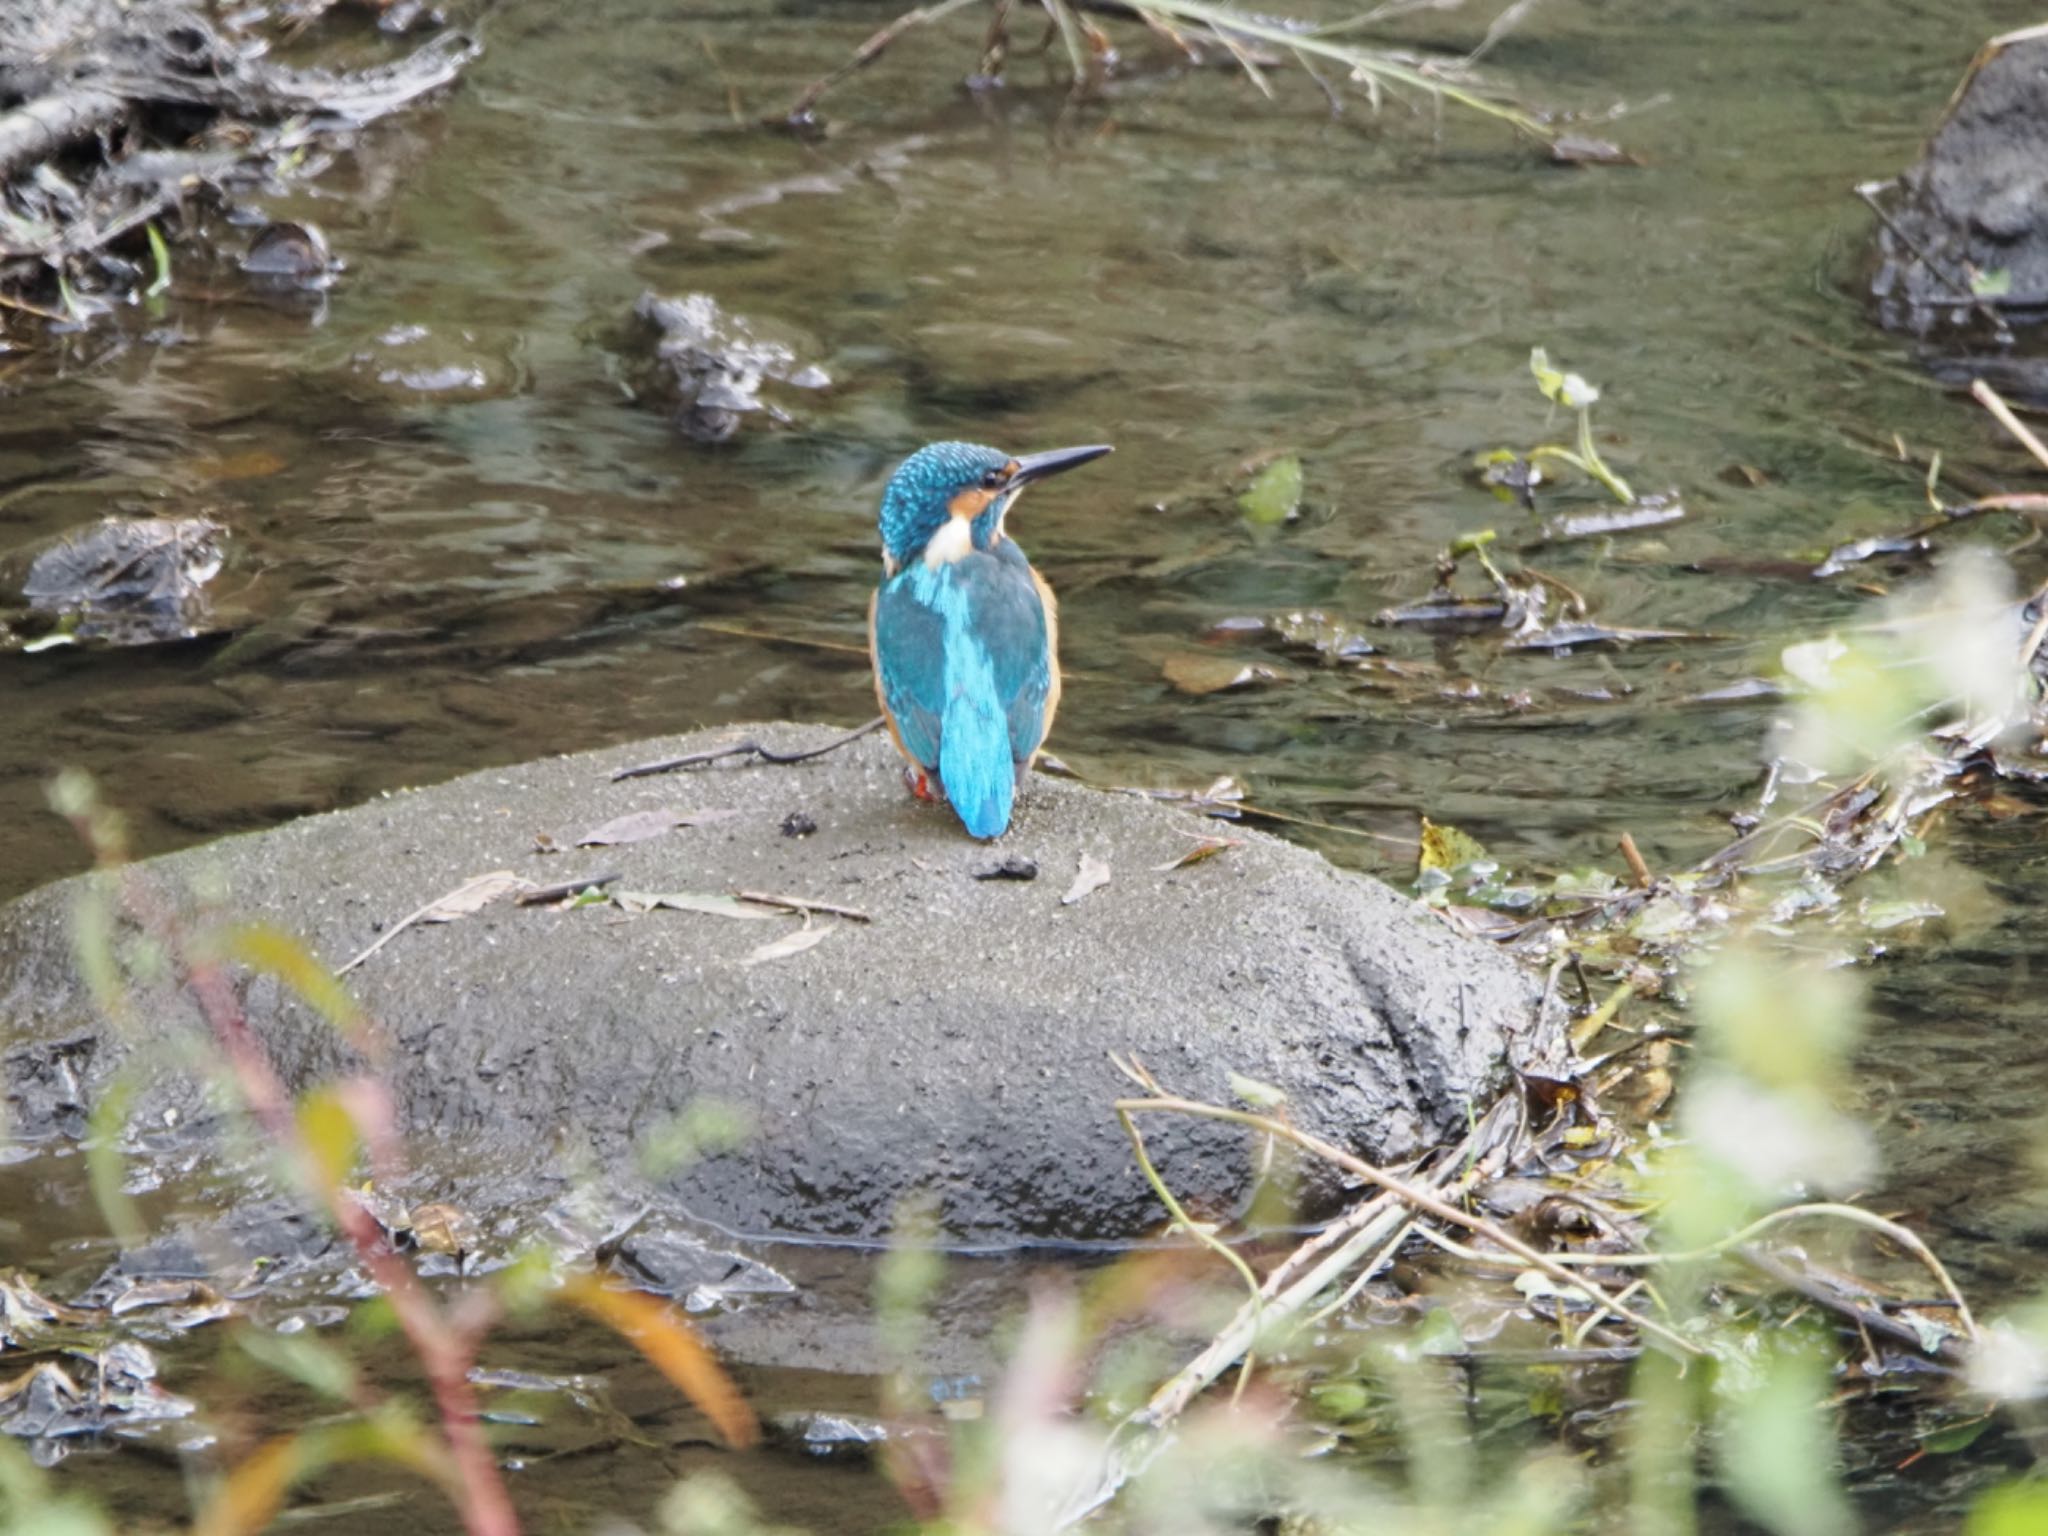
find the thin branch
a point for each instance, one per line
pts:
(801, 109)
(1422, 1200)
(802, 904)
(752, 749)
(1993, 402)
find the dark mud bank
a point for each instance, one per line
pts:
(958, 1042)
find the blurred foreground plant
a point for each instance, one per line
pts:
(320, 1140)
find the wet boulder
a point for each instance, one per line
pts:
(709, 367)
(1961, 246)
(933, 1022)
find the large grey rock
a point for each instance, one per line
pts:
(962, 1042)
(1963, 245)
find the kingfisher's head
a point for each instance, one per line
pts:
(948, 498)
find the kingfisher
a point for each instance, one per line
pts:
(963, 632)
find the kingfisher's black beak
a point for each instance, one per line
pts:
(1036, 466)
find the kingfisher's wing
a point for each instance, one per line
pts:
(910, 662)
(1011, 616)
(962, 662)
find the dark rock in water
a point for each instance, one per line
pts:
(959, 1043)
(129, 581)
(709, 366)
(1961, 249)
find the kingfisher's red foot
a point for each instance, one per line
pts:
(919, 783)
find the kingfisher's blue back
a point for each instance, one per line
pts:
(963, 632)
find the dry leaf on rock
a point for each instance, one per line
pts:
(1092, 876)
(638, 826)
(789, 944)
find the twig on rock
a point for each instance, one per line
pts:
(752, 749)
(802, 904)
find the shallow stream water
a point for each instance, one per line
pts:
(454, 544)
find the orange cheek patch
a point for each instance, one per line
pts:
(970, 504)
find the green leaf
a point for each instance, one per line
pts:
(1275, 495)
(1446, 848)
(107, 1165)
(704, 1128)
(1261, 1096)
(304, 1358)
(1439, 1334)
(160, 253)
(330, 1133)
(1341, 1400)
(1777, 1447)
(528, 1281)
(274, 952)
(2011, 1509)
(1957, 1437)
(1991, 283)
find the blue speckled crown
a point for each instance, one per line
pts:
(914, 505)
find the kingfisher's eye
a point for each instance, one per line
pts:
(993, 480)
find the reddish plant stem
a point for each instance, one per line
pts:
(445, 1353)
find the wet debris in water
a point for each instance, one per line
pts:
(829, 1436)
(1583, 149)
(1193, 673)
(708, 366)
(1857, 551)
(111, 1390)
(127, 581)
(291, 255)
(113, 116)
(1652, 511)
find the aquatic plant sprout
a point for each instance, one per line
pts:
(1575, 394)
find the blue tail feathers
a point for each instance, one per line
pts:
(974, 762)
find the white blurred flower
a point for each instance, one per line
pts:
(2009, 1362)
(1779, 1143)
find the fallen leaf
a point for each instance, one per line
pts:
(638, 826)
(1646, 512)
(1092, 876)
(1582, 149)
(1207, 848)
(472, 895)
(1192, 672)
(1275, 495)
(692, 901)
(1447, 848)
(543, 843)
(1569, 636)
(250, 464)
(789, 944)
(443, 1228)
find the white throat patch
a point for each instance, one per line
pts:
(952, 542)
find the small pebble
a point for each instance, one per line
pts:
(1015, 867)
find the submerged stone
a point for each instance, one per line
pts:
(963, 1042)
